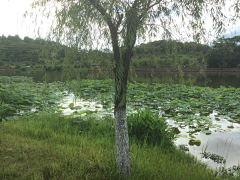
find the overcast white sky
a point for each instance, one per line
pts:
(13, 23)
(11, 18)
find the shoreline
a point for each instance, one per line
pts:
(155, 70)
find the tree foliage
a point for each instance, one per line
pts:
(14, 49)
(159, 54)
(225, 53)
(120, 24)
(41, 51)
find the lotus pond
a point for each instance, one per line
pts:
(207, 120)
(190, 78)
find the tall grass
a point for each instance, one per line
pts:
(49, 146)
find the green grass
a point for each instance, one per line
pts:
(49, 146)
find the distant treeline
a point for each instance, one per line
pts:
(13, 49)
(224, 52)
(33, 52)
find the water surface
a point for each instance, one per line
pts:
(225, 143)
(212, 79)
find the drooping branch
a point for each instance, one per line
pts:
(112, 28)
(101, 9)
(119, 21)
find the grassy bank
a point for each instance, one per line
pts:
(48, 146)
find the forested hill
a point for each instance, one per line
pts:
(14, 50)
(224, 53)
(33, 52)
(164, 53)
(162, 46)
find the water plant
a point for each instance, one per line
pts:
(233, 171)
(52, 146)
(216, 158)
(21, 94)
(150, 136)
(187, 105)
(149, 128)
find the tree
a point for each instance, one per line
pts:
(224, 53)
(121, 23)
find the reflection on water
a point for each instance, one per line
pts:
(228, 133)
(226, 144)
(219, 142)
(214, 79)
(84, 105)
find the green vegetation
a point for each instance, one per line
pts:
(29, 53)
(225, 53)
(15, 51)
(149, 128)
(159, 54)
(119, 25)
(40, 53)
(179, 102)
(49, 146)
(18, 93)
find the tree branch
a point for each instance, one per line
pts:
(119, 21)
(153, 5)
(99, 7)
(135, 3)
(167, 29)
(112, 28)
(144, 11)
(96, 4)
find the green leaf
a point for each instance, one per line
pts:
(198, 141)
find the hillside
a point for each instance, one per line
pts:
(158, 54)
(161, 54)
(15, 51)
(34, 52)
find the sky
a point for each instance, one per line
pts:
(13, 23)
(11, 18)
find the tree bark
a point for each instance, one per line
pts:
(123, 158)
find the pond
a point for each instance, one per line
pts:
(214, 79)
(211, 127)
(216, 132)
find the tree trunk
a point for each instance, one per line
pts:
(121, 130)
(122, 143)
(123, 158)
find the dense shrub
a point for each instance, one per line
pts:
(58, 68)
(149, 128)
(17, 67)
(53, 68)
(49, 68)
(1, 63)
(5, 99)
(23, 68)
(38, 66)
